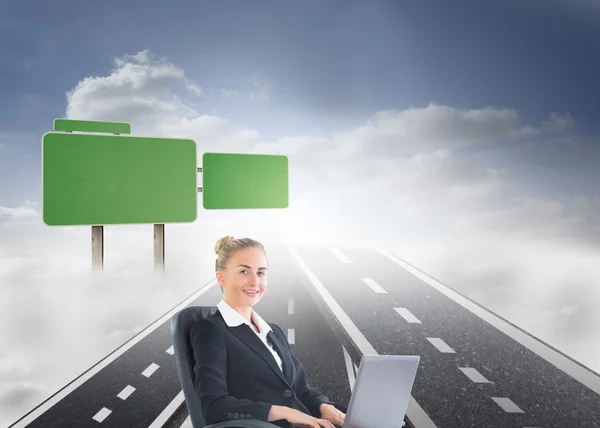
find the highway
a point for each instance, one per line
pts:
(337, 304)
(472, 374)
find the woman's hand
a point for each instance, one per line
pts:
(331, 414)
(298, 418)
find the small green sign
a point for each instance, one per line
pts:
(90, 126)
(95, 179)
(241, 181)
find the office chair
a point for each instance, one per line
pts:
(184, 362)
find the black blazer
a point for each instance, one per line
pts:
(236, 377)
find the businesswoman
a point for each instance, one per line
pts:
(245, 368)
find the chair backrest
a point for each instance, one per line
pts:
(184, 356)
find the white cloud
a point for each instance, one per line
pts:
(558, 122)
(25, 213)
(264, 85)
(416, 130)
(150, 94)
(141, 89)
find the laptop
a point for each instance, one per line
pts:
(381, 391)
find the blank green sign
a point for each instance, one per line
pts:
(236, 181)
(110, 179)
(91, 126)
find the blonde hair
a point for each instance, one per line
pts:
(226, 246)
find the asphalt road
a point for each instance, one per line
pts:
(471, 374)
(139, 387)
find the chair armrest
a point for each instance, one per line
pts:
(244, 423)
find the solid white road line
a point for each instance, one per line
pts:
(340, 256)
(170, 350)
(290, 306)
(44, 406)
(291, 336)
(407, 315)
(150, 370)
(126, 392)
(374, 286)
(578, 372)
(164, 416)
(441, 345)
(415, 413)
(187, 423)
(474, 375)
(507, 405)
(349, 369)
(102, 414)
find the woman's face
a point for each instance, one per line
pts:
(245, 279)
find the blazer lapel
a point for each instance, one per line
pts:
(285, 356)
(246, 335)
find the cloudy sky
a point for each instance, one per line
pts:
(463, 136)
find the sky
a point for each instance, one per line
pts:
(461, 135)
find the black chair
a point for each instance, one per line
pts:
(184, 362)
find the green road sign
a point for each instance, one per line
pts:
(237, 181)
(95, 179)
(90, 126)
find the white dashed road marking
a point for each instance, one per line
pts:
(291, 336)
(127, 391)
(407, 315)
(474, 375)
(507, 405)
(150, 370)
(441, 345)
(340, 256)
(290, 306)
(102, 414)
(374, 286)
(170, 351)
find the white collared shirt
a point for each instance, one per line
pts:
(233, 319)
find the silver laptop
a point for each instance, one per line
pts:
(381, 391)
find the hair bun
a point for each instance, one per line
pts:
(221, 242)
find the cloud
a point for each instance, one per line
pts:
(17, 397)
(433, 127)
(157, 98)
(416, 131)
(25, 213)
(558, 122)
(264, 86)
(140, 89)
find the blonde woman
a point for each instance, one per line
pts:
(245, 367)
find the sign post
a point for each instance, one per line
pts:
(159, 247)
(98, 247)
